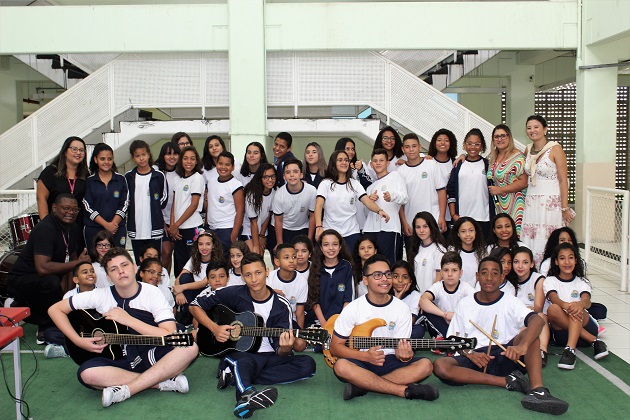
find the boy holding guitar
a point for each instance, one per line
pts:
(143, 309)
(274, 361)
(387, 371)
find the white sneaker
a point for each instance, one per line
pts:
(53, 351)
(176, 384)
(115, 394)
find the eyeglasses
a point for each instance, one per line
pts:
(67, 209)
(154, 273)
(103, 246)
(500, 136)
(183, 144)
(377, 275)
(268, 177)
(388, 138)
(74, 149)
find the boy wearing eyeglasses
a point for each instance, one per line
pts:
(387, 371)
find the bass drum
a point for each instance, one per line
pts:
(7, 261)
(21, 227)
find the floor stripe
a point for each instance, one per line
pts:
(625, 388)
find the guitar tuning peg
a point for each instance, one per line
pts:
(456, 332)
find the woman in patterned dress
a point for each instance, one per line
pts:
(506, 171)
(547, 201)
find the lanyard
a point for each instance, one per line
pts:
(66, 244)
(71, 184)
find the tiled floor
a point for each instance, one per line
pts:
(617, 334)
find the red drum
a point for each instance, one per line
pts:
(21, 227)
(7, 261)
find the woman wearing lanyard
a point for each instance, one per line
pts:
(66, 174)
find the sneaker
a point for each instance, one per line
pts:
(252, 400)
(176, 384)
(422, 392)
(225, 378)
(115, 394)
(53, 351)
(438, 351)
(540, 400)
(599, 349)
(567, 360)
(544, 357)
(350, 391)
(39, 337)
(516, 381)
(601, 330)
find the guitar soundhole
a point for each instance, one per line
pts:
(98, 334)
(235, 334)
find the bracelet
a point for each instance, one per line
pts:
(317, 227)
(405, 360)
(565, 209)
(262, 236)
(379, 211)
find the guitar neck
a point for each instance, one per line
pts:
(138, 340)
(265, 332)
(360, 343)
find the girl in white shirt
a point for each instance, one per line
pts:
(426, 250)
(341, 192)
(259, 194)
(404, 287)
(467, 240)
(364, 248)
(103, 241)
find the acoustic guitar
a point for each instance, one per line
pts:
(248, 332)
(92, 324)
(361, 338)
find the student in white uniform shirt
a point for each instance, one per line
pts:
(426, 187)
(212, 148)
(438, 303)
(226, 202)
(503, 233)
(167, 163)
(508, 283)
(388, 139)
(443, 149)
(293, 206)
(286, 281)
(150, 272)
(186, 220)
(236, 251)
(467, 240)
(304, 249)
(467, 187)
(426, 250)
(389, 193)
(259, 195)
(337, 195)
(502, 371)
(405, 288)
(364, 248)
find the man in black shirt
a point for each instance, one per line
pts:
(50, 253)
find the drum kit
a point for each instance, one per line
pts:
(20, 228)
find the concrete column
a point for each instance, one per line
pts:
(520, 98)
(247, 61)
(596, 127)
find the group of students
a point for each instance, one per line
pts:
(354, 269)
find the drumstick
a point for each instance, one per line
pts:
(494, 341)
(494, 324)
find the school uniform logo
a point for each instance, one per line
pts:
(341, 287)
(186, 188)
(116, 194)
(425, 175)
(424, 262)
(156, 196)
(483, 172)
(123, 241)
(293, 300)
(384, 187)
(495, 334)
(352, 201)
(574, 294)
(391, 325)
(302, 209)
(221, 199)
(530, 297)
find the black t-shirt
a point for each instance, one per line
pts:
(46, 238)
(59, 184)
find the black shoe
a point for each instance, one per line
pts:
(567, 360)
(544, 358)
(225, 378)
(350, 391)
(516, 381)
(252, 400)
(540, 400)
(599, 349)
(422, 392)
(39, 337)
